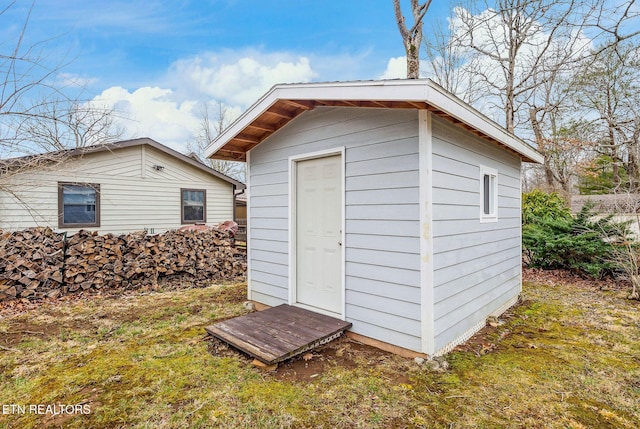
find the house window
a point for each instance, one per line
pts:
(78, 205)
(193, 205)
(488, 194)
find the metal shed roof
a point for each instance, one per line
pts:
(282, 103)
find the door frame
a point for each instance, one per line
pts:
(293, 162)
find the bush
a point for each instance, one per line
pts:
(553, 239)
(540, 205)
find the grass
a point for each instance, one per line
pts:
(568, 357)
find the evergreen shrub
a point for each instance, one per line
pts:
(554, 239)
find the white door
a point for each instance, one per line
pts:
(318, 233)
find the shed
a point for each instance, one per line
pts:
(120, 187)
(389, 204)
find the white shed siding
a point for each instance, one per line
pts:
(476, 265)
(131, 197)
(381, 215)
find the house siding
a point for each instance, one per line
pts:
(477, 266)
(382, 251)
(133, 196)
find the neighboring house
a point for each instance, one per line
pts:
(624, 207)
(241, 216)
(624, 203)
(390, 204)
(241, 208)
(122, 187)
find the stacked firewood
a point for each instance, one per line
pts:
(31, 263)
(91, 261)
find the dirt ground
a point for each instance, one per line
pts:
(343, 352)
(58, 321)
(566, 356)
(348, 353)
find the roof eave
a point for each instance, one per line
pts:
(411, 90)
(108, 147)
(466, 114)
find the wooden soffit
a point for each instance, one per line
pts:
(285, 102)
(282, 112)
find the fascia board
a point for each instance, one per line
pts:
(386, 90)
(259, 107)
(478, 121)
(365, 90)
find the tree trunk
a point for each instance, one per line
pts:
(632, 171)
(614, 160)
(412, 37)
(537, 132)
(412, 48)
(548, 173)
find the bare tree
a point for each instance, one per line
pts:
(567, 149)
(68, 124)
(451, 67)
(24, 73)
(211, 125)
(607, 91)
(37, 112)
(625, 249)
(522, 42)
(516, 42)
(412, 37)
(559, 135)
(530, 52)
(616, 22)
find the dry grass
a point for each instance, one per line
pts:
(568, 357)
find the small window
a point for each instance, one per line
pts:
(78, 205)
(193, 205)
(488, 194)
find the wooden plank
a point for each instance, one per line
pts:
(237, 341)
(315, 323)
(268, 332)
(277, 333)
(263, 126)
(302, 104)
(401, 351)
(278, 328)
(269, 341)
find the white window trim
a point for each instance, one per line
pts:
(493, 217)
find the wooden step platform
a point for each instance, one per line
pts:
(278, 333)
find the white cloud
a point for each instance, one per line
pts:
(238, 79)
(396, 68)
(170, 111)
(171, 114)
(152, 112)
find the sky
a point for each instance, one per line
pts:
(156, 61)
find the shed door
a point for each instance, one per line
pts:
(318, 233)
